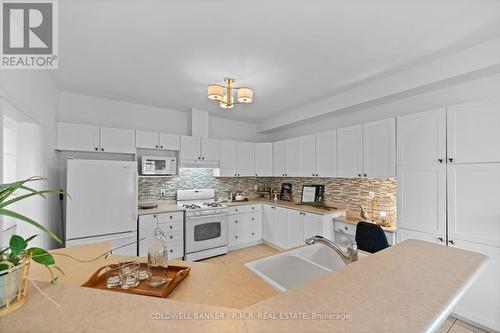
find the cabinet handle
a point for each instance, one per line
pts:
(171, 227)
(450, 159)
(161, 147)
(203, 158)
(96, 149)
(440, 160)
(253, 219)
(235, 236)
(171, 236)
(171, 251)
(199, 157)
(345, 228)
(154, 216)
(364, 175)
(440, 239)
(235, 221)
(102, 149)
(156, 146)
(317, 175)
(452, 242)
(313, 175)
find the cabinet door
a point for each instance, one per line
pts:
(326, 154)
(279, 158)
(209, 149)
(422, 198)
(268, 223)
(117, 140)
(481, 302)
(379, 148)
(245, 159)
(263, 159)
(281, 227)
(350, 151)
(292, 158)
(255, 223)
(313, 225)
(147, 225)
(307, 156)
(474, 203)
(190, 148)
(404, 234)
(146, 140)
(473, 132)
(422, 138)
(170, 141)
(77, 137)
(228, 158)
(295, 228)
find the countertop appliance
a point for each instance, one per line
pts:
(158, 165)
(103, 203)
(205, 227)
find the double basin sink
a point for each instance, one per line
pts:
(289, 269)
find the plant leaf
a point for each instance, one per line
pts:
(59, 269)
(22, 197)
(17, 244)
(29, 239)
(3, 267)
(41, 256)
(18, 216)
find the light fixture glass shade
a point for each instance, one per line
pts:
(216, 92)
(245, 95)
(224, 105)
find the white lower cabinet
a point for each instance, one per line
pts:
(268, 223)
(404, 234)
(481, 303)
(295, 223)
(281, 227)
(172, 225)
(244, 226)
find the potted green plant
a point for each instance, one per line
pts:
(15, 259)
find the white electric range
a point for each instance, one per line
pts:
(205, 228)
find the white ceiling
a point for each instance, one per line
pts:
(164, 53)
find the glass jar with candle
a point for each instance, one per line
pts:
(158, 259)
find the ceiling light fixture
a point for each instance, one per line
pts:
(224, 94)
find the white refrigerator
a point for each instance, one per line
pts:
(103, 203)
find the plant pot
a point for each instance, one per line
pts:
(13, 287)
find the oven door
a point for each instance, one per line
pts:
(205, 232)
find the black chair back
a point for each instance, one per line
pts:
(370, 237)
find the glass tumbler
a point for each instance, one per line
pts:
(129, 275)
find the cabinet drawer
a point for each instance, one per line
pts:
(171, 217)
(172, 237)
(255, 208)
(238, 210)
(238, 237)
(175, 250)
(238, 222)
(346, 227)
(171, 226)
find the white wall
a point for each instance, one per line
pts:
(100, 111)
(35, 95)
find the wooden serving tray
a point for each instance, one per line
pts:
(175, 275)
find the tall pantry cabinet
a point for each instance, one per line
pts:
(449, 192)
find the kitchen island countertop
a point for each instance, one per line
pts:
(409, 287)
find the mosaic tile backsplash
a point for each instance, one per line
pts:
(350, 191)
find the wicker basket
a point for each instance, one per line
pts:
(13, 286)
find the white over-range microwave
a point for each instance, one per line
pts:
(158, 165)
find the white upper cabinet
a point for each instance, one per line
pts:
(263, 159)
(473, 203)
(209, 149)
(307, 156)
(421, 138)
(292, 157)
(170, 141)
(147, 140)
(326, 154)
(422, 198)
(228, 158)
(350, 151)
(379, 148)
(190, 148)
(474, 132)
(245, 159)
(279, 158)
(117, 140)
(77, 137)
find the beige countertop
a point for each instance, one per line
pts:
(336, 209)
(409, 287)
(355, 220)
(163, 207)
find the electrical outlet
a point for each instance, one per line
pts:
(371, 195)
(163, 192)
